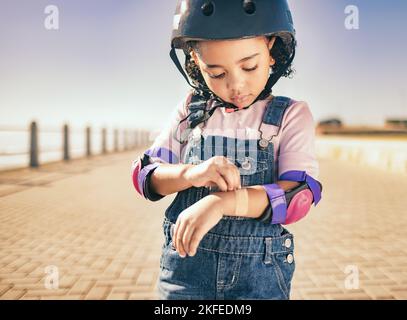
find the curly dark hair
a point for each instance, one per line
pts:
(280, 52)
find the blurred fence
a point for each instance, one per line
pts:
(33, 145)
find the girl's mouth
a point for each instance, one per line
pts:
(240, 99)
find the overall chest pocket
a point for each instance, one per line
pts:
(253, 171)
(255, 165)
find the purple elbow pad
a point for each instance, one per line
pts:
(143, 175)
(140, 174)
(143, 167)
(299, 202)
(291, 206)
(136, 171)
(301, 176)
(164, 154)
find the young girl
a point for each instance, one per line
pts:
(241, 160)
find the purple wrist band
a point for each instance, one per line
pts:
(278, 202)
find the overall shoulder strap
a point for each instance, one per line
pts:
(275, 110)
(273, 116)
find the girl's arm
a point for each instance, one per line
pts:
(170, 178)
(258, 199)
(216, 171)
(166, 149)
(197, 220)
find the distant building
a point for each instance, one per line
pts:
(328, 125)
(396, 123)
(333, 122)
(335, 126)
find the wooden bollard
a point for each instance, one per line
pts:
(34, 145)
(145, 137)
(138, 141)
(104, 149)
(135, 139)
(66, 142)
(125, 142)
(116, 140)
(88, 142)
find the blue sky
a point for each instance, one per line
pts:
(108, 63)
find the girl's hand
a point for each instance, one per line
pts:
(216, 171)
(194, 222)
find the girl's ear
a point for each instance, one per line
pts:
(270, 46)
(194, 57)
(271, 42)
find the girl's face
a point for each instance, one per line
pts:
(235, 70)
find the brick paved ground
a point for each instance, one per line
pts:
(86, 219)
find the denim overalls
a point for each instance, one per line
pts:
(239, 258)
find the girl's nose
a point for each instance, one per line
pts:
(235, 84)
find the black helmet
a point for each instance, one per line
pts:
(196, 20)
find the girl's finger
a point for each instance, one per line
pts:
(229, 178)
(186, 238)
(178, 240)
(238, 184)
(235, 177)
(221, 183)
(196, 240)
(174, 236)
(211, 184)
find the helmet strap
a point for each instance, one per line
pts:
(175, 59)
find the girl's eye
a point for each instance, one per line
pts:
(250, 69)
(220, 76)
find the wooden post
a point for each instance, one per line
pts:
(145, 138)
(133, 139)
(116, 140)
(148, 133)
(88, 142)
(34, 145)
(142, 137)
(138, 138)
(104, 150)
(66, 142)
(125, 139)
